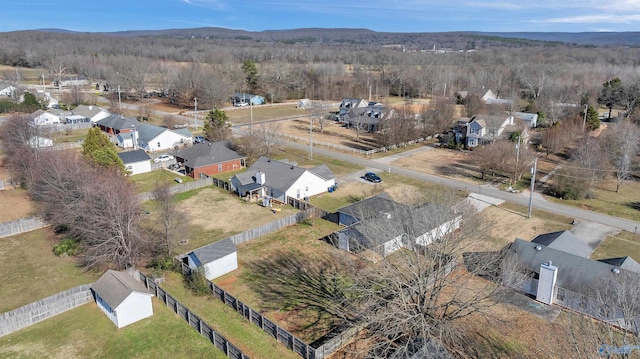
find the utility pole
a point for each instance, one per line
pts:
(195, 112)
(515, 173)
(251, 115)
(533, 181)
(584, 120)
(119, 101)
(310, 138)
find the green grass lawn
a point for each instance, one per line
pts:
(620, 245)
(146, 182)
(30, 271)
(264, 113)
(252, 340)
(85, 332)
(625, 203)
(69, 136)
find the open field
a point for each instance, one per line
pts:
(333, 133)
(252, 340)
(625, 203)
(338, 167)
(86, 332)
(16, 204)
(30, 271)
(262, 113)
(442, 162)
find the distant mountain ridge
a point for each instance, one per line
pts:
(366, 36)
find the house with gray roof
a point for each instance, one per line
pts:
(383, 226)
(209, 158)
(120, 129)
(244, 99)
(367, 118)
(215, 259)
(349, 103)
(280, 180)
(90, 112)
(136, 161)
(122, 298)
(155, 138)
(554, 270)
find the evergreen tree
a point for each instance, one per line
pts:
(251, 72)
(217, 127)
(100, 151)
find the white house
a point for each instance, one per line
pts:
(7, 90)
(155, 138)
(40, 142)
(281, 180)
(93, 113)
(216, 259)
(136, 162)
(122, 298)
(42, 118)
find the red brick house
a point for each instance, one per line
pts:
(209, 158)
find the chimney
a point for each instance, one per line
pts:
(546, 283)
(260, 177)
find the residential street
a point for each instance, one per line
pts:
(517, 198)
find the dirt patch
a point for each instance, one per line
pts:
(442, 162)
(334, 133)
(16, 204)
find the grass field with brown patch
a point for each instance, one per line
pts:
(16, 204)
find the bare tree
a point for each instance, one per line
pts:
(22, 156)
(172, 220)
(269, 136)
(437, 117)
(623, 145)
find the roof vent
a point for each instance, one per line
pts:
(615, 270)
(538, 248)
(291, 167)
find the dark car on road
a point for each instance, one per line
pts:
(372, 177)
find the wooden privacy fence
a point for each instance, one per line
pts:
(217, 339)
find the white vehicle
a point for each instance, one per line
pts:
(163, 158)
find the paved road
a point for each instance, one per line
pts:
(517, 198)
(538, 202)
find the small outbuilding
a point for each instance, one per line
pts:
(216, 259)
(122, 298)
(136, 162)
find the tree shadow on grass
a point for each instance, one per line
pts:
(633, 205)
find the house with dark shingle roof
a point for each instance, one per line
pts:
(121, 130)
(209, 158)
(280, 180)
(216, 259)
(122, 298)
(383, 226)
(137, 161)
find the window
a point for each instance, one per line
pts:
(129, 167)
(219, 167)
(158, 144)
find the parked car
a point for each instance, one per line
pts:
(198, 139)
(372, 177)
(241, 104)
(163, 158)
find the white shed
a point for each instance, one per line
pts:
(136, 162)
(217, 258)
(122, 298)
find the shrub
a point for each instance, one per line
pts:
(66, 247)
(197, 282)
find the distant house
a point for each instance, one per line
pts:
(122, 298)
(557, 271)
(71, 80)
(367, 118)
(528, 119)
(383, 226)
(93, 113)
(216, 259)
(136, 162)
(209, 158)
(155, 138)
(240, 99)
(43, 118)
(121, 129)
(7, 90)
(481, 129)
(305, 103)
(280, 180)
(480, 92)
(40, 142)
(349, 103)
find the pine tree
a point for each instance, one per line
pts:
(100, 151)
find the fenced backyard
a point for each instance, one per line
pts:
(45, 308)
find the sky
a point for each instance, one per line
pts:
(377, 15)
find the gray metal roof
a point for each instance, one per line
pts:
(208, 153)
(371, 206)
(564, 241)
(278, 175)
(215, 251)
(114, 287)
(183, 131)
(134, 156)
(118, 122)
(146, 132)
